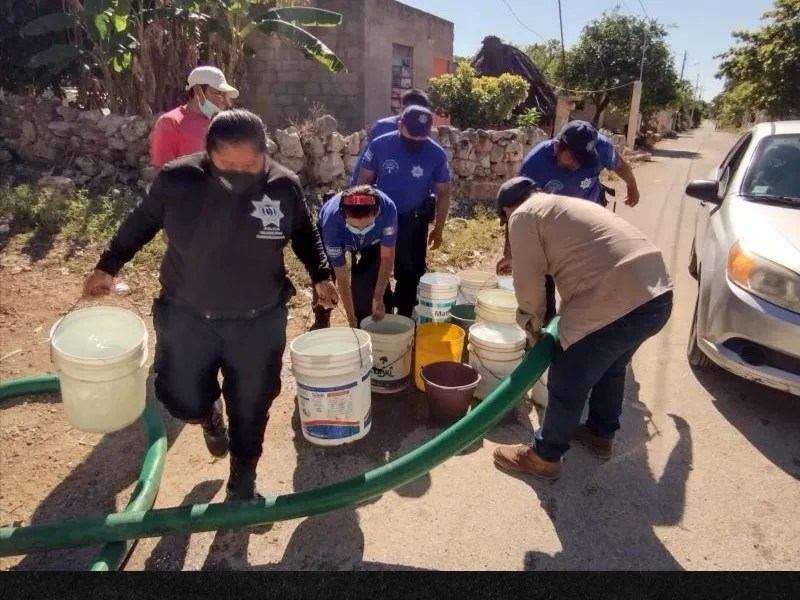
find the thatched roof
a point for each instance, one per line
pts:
(496, 57)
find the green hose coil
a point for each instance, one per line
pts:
(112, 554)
(134, 524)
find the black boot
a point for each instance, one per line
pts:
(322, 318)
(242, 480)
(215, 433)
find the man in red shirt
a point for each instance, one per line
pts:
(182, 131)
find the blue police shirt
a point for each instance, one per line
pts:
(379, 128)
(338, 240)
(541, 166)
(406, 177)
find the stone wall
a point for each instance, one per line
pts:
(100, 150)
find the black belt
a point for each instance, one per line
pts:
(218, 315)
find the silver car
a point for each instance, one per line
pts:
(746, 259)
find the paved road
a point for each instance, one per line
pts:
(705, 474)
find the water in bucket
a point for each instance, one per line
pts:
(332, 368)
(392, 343)
(436, 294)
(495, 350)
(100, 354)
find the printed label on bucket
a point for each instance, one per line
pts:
(446, 304)
(329, 413)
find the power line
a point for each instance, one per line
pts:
(563, 48)
(610, 89)
(644, 10)
(521, 22)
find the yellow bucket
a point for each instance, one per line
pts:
(436, 342)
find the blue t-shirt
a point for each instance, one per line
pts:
(379, 128)
(339, 240)
(406, 177)
(541, 166)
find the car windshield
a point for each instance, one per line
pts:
(774, 172)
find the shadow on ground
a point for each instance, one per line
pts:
(657, 152)
(604, 512)
(331, 541)
(767, 418)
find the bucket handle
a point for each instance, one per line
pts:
(488, 370)
(93, 302)
(353, 329)
(401, 357)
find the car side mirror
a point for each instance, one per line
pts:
(705, 190)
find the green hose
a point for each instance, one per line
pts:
(112, 554)
(233, 515)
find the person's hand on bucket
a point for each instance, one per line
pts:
(98, 284)
(327, 296)
(378, 309)
(503, 266)
(435, 238)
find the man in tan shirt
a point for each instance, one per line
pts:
(615, 293)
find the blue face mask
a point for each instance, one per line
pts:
(208, 108)
(356, 231)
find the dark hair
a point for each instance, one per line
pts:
(414, 97)
(236, 126)
(359, 212)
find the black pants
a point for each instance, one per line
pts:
(192, 352)
(550, 299)
(410, 255)
(364, 268)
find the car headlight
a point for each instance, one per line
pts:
(764, 278)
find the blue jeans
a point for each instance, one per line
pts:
(595, 365)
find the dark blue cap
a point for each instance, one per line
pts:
(513, 192)
(418, 121)
(580, 138)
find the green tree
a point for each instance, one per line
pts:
(548, 58)
(768, 59)
(731, 106)
(478, 102)
(609, 55)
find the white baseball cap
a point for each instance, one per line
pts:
(214, 77)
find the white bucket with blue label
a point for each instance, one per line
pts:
(436, 295)
(332, 368)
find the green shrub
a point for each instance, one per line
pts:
(477, 102)
(530, 117)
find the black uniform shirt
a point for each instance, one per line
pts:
(225, 252)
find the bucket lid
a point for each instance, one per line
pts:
(438, 280)
(497, 335)
(502, 300)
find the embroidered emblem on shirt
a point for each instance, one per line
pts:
(390, 166)
(586, 183)
(268, 211)
(590, 145)
(553, 186)
(423, 119)
(417, 171)
(368, 154)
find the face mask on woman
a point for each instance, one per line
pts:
(356, 231)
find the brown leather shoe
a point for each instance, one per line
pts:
(523, 459)
(599, 446)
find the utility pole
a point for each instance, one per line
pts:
(683, 65)
(694, 100)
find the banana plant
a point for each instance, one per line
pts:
(234, 21)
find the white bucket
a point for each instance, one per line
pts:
(495, 350)
(100, 354)
(332, 368)
(539, 392)
(473, 282)
(436, 295)
(392, 344)
(506, 283)
(496, 306)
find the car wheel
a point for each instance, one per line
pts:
(695, 355)
(693, 262)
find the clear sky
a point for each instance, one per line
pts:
(702, 27)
